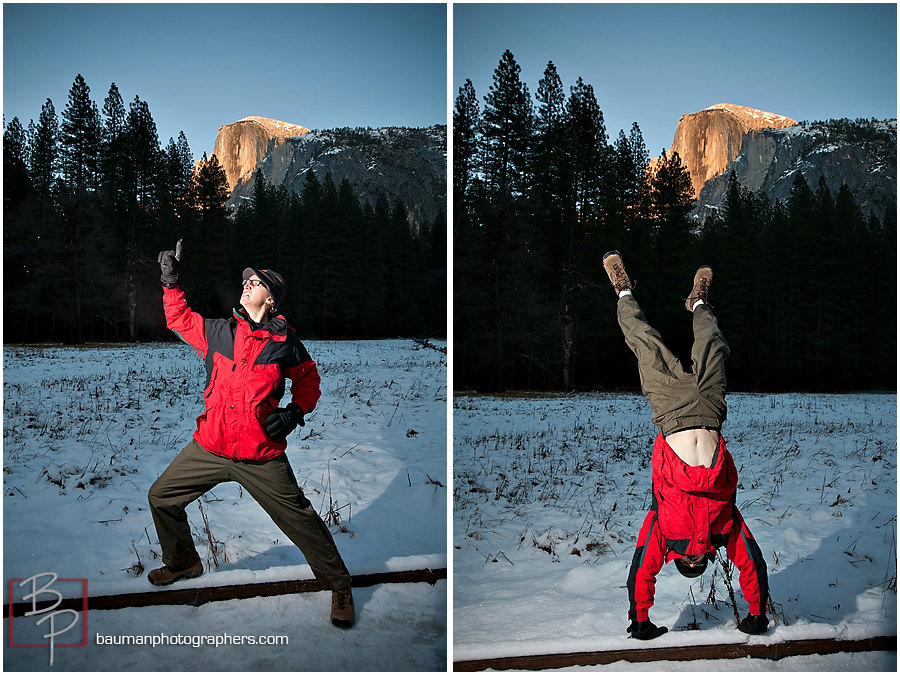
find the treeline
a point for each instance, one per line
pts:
(354, 270)
(541, 192)
(91, 199)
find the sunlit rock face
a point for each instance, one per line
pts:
(709, 140)
(398, 163)
(242, 145)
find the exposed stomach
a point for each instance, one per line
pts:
(695, 447)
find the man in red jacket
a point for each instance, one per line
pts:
(693, 511)
(241, 434)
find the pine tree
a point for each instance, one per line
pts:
(175, 178)
(209, 190)
(638, 152)
(143, 154)
(113, 154)
(45, 230)
(19, 242)
(43, 150)
(671, 200)
(552, 165)
(141, 147)
(16, 180)
(507, 127)
(587, 148)
(209, 271)
(80, 138)
(586, 176)
(80, 147)
(622, 193)
(628, 165)
(466, 119)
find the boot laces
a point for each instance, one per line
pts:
(621, 281)
(703, 287)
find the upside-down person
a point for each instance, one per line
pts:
(693, 511)
(241, 434)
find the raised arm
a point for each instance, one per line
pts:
(185, 323)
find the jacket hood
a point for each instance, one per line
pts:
(277, 325)
(694, 502)
(718, 482)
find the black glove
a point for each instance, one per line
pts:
(168, 263)
(283, 421)
(645, 630)
(754, 624)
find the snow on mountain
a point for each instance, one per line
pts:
(755, 119)
(277, 128)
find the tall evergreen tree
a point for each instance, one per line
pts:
(507, 127)
(572, 245)
(45, 231)
(82, 229)
(175, 178)
(114, 154)
(16, 180)
(638, 152)
(587, 148)
(142, 195)
(209, 190)
(552, 165)
(213, 282)
(19, 240)
(671, 199)
(43, 150)
(80, 138)
(466, 119)
(143, 153)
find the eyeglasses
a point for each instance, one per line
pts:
(252, 282)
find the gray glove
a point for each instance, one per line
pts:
(168, 263)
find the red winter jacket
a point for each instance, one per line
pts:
(694, 502)
(246, 368)
(693, 513)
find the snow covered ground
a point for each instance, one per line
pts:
(86, 431)
(549, 493)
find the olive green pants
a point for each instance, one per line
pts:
(679, 399)
(271, 483)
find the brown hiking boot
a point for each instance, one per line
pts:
(342, 612)
(163, 576)
(700, 291)
(615, 269)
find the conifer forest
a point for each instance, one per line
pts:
(89, 199)
(804, 289)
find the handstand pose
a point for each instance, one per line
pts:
(694, 478)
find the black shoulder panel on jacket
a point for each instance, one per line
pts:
(289, 353)
(219, 339)
(220, 336)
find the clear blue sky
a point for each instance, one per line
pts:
(203, 65)
(652, 63)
